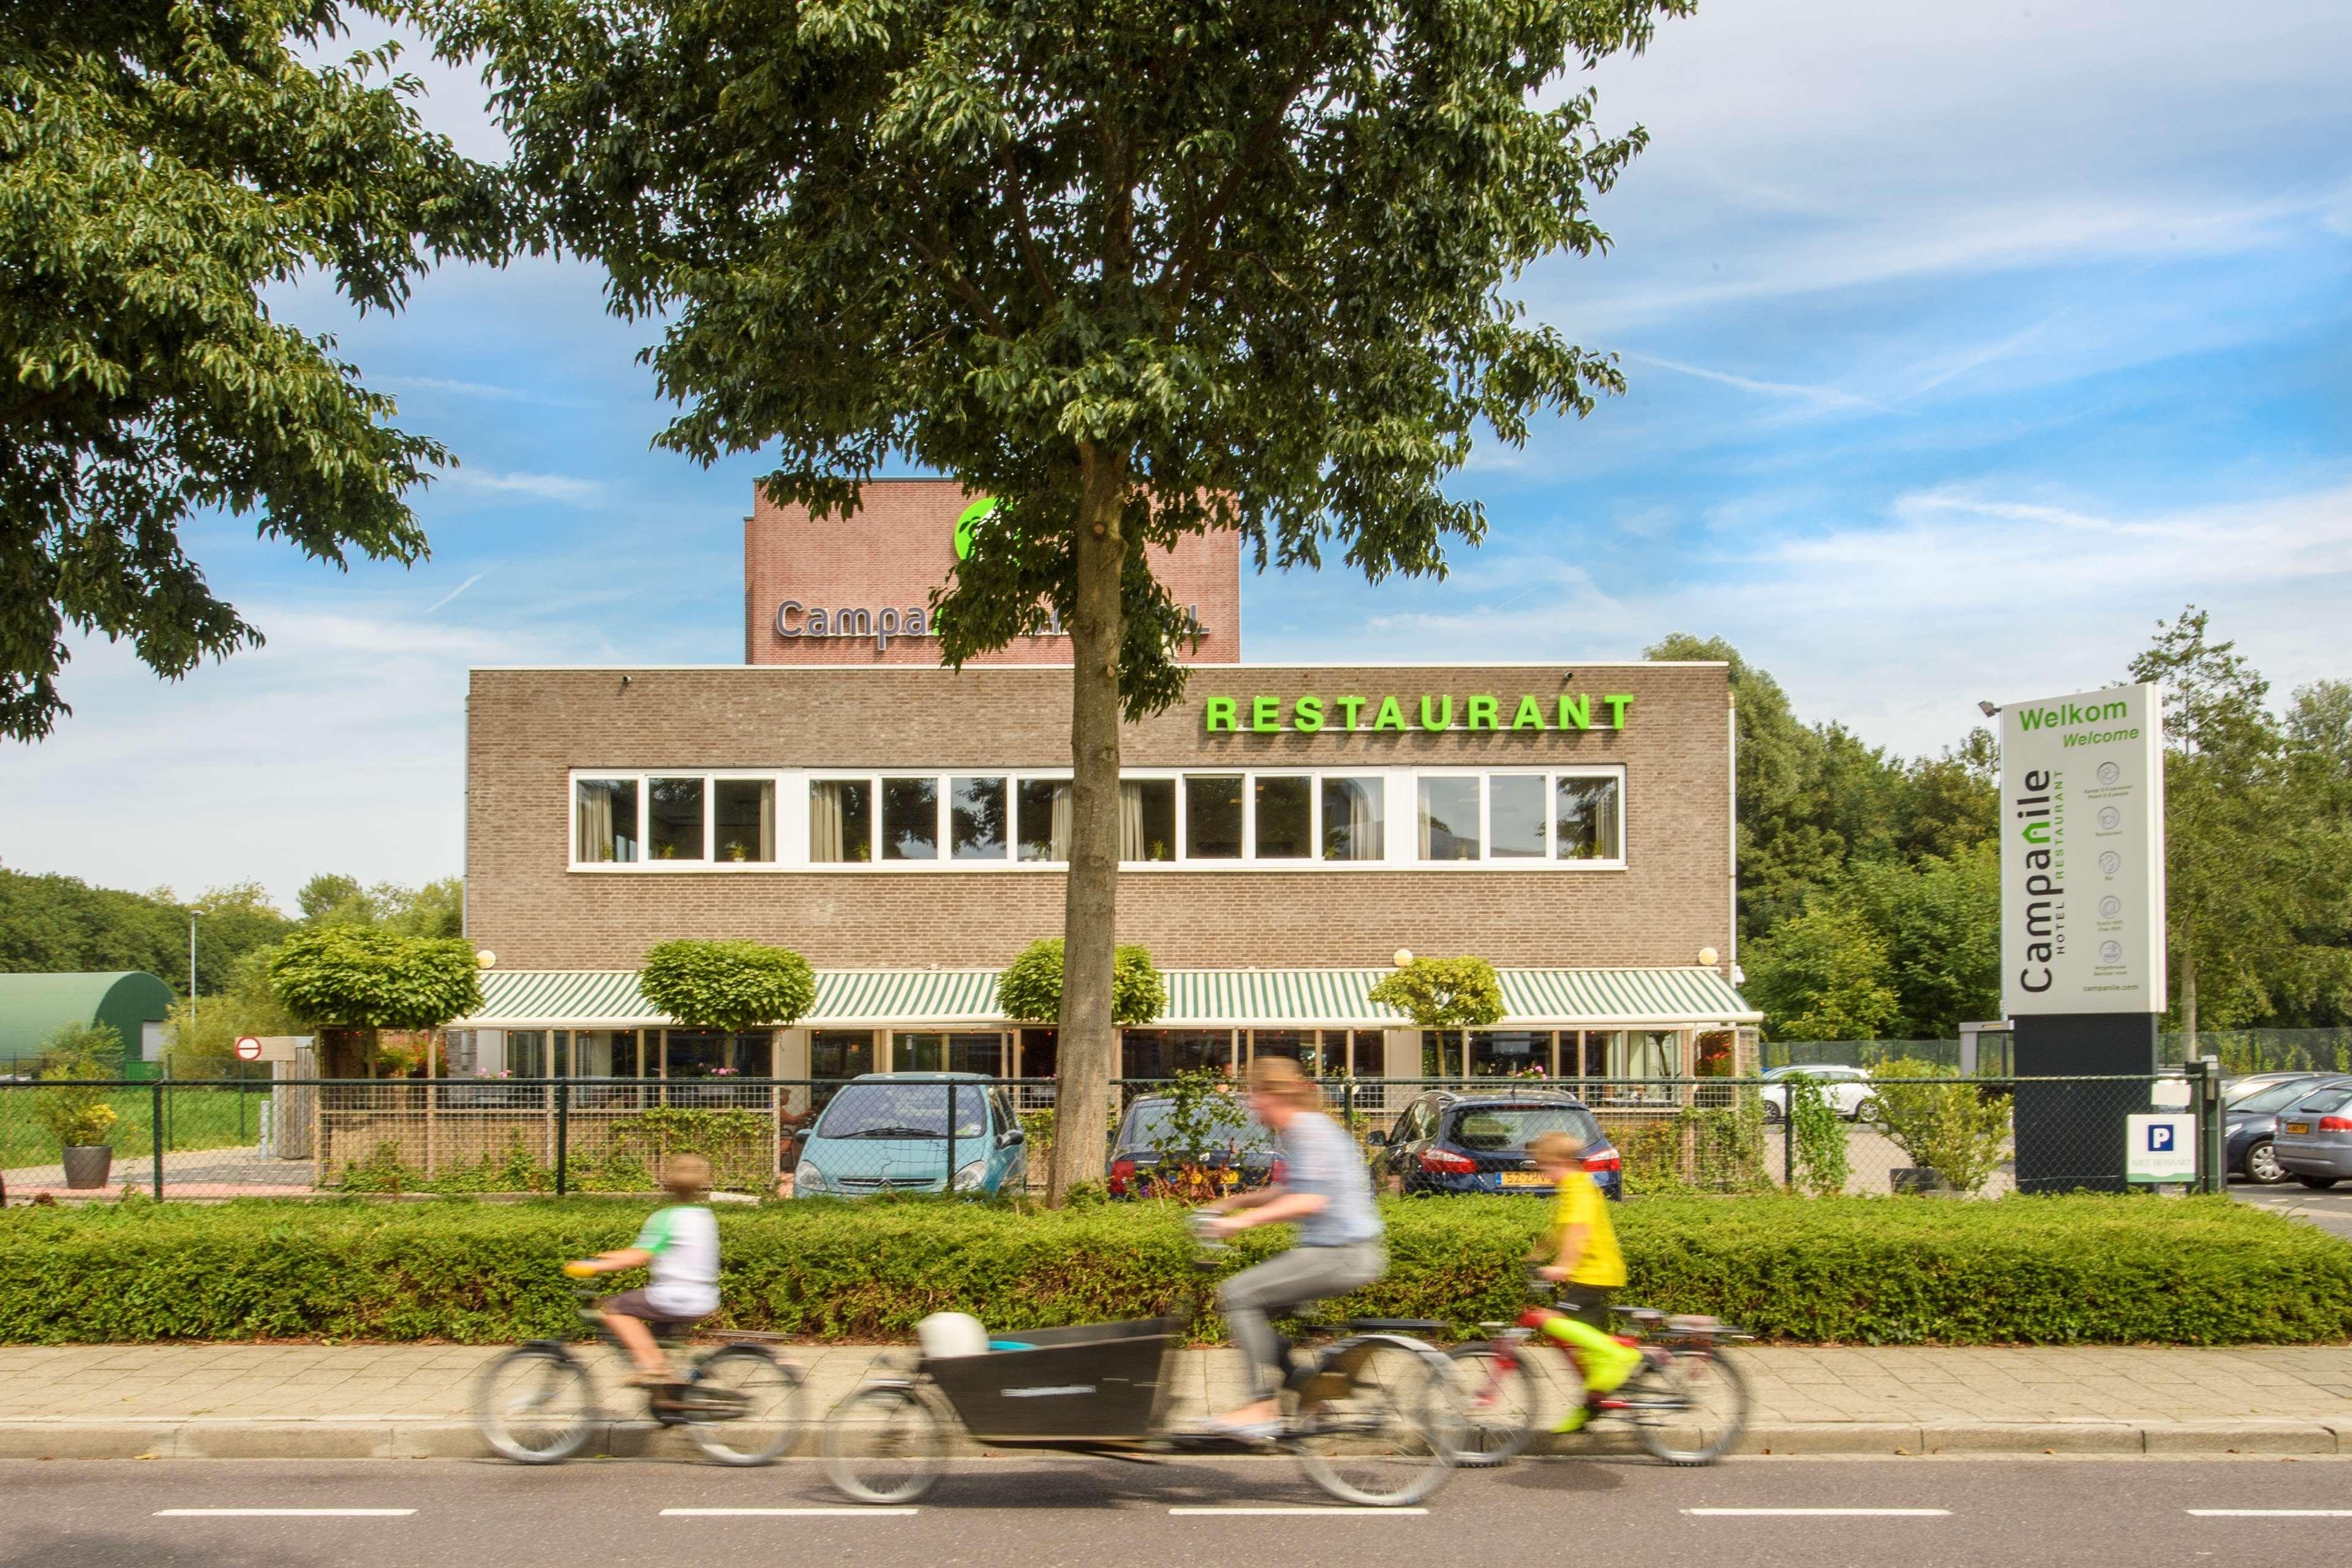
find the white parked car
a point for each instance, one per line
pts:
(1846, 1088)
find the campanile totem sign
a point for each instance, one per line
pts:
(2082, 923)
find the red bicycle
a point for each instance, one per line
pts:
(1687, 1404)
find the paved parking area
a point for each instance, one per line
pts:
(2330, 1211)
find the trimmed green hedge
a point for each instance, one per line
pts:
(2082, 1269)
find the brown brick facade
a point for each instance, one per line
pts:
(526, 729)
(899, 547)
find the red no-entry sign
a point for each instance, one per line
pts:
(249, 1048)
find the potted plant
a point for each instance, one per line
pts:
(1955, 1137)
(78, 1118)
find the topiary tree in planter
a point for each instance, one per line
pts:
(358, 980)
(1442, 994)
(1030, 990)
(728, 985)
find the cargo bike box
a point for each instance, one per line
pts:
(1097, 1383)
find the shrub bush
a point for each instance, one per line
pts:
(2081, 1269)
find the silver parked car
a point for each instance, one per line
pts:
(1847, 1089)
(2314, 1140)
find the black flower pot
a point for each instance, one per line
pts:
(87, 1165)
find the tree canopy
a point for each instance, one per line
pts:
(727, 985)
(1031, 985)
(161, 164)
(361, 977)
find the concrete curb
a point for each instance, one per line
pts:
(432, 1438)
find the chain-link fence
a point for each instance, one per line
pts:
(1900, 1127)
(2240, 1051)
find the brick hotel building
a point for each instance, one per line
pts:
(1286, 830)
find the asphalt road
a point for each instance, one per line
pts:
(1046, 1514)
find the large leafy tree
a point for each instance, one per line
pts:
(1137, 268)
(161, 163)
(2256, 857)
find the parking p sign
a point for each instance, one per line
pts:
(2162, 1149)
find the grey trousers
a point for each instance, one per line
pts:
(1286, 1281)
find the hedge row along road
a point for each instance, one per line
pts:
(2046, 1270)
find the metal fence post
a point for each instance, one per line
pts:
(2209, 1125)
(155, 1140)
(950, 1186)
(562, 1134)
(1788, 1136)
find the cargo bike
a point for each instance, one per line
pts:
(1368, 1414)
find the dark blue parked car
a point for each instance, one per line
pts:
(1476, 1140)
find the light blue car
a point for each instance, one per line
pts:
(890, 1133)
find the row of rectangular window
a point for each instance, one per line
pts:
(996, 819)
(1145, 1053)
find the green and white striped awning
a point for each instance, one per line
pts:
(1197, 998)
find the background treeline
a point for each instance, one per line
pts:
(1870, 883)
(53, 923)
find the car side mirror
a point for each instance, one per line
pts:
(1011, 1138)
(1376, 1137)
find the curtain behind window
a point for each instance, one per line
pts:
(826, 840)
(1130, 820)
(595, 822)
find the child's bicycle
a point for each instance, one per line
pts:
(742, 1405)
(1687, 1404)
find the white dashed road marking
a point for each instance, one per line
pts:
(283, 1512)
(786, 1512)
(1337, 1512)
(1818, 1512)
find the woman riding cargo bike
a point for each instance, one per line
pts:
(1369, 1415)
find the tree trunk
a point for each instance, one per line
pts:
(1089, 1037)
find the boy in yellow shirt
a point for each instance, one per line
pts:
(1585, 1261)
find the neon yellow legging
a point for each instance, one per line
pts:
(1600, 1356)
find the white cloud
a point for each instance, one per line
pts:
(548, 487)
(1897, 624)
(1823, 397)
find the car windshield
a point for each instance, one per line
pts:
(1152, 1125)
(2259, 1097)
(2332, 1097)
(904, 1111)
(1494, 1128)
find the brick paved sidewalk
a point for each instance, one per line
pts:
(294, 1400)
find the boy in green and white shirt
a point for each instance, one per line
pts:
(681, 1246)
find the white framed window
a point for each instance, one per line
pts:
(673, 818)
(677, 819)
(1521, 817)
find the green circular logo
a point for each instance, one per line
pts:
(973, 516)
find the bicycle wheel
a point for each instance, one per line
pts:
(884, 1443)
(535, 1405)
(1692, 1410)
(746, 1406)
(1494, 1403)
(1386, 1439)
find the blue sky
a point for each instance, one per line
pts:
(1965, 343)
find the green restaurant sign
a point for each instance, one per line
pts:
(1308, 715)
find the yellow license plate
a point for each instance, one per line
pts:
(2298, 1126)
(1522, 1179)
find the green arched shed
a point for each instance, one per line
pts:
(33, 1008)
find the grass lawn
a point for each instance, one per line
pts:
(205, 1116)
